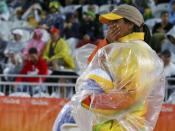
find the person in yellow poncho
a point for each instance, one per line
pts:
(122, 88)
(57, 52)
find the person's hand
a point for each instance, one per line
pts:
(113, 33)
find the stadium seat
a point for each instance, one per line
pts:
(105, 8)
(85, 8)
(159, 8)
(2, 94)
(151, 22)
(20, 94)
(72, 42)
(70, 8)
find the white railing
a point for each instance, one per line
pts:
(169, 87)
(64, 89)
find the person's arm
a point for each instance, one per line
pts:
(26, 14)
(69, 61)
(125, 79)
(22, 72)
(45, 51)
(43, 69)
(114, 100)
(37, 16)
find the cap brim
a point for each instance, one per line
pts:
(16, 33)
(105, 18)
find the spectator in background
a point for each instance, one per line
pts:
(169, 43)
(17, 36)
(57, 52)
(33, 15)
(71, 27)
(89, 26)
(4, 10)
(172, 12)
(141, 4)
(85, 40)
(16, 15)
(157, 40)
(28, 3)
(3, 45)
(14, 54)
(45, 34)
(169, 66)
(33, 66)
(16, 3)
(35, 42)
(164, 26)
(161, 1)
(54, 17)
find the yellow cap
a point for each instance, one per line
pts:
(123, 11)
(109, 17)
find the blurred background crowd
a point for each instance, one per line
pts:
(41, 37)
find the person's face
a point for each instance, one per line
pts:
(166, 60)
(17, 37)
(55, 36)
(117, 29)
(165, 17)
(33, 57)
(36, 37)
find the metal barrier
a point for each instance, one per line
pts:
(63, 88)
(170, 86)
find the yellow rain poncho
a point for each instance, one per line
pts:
(61, 51)
(122, 89)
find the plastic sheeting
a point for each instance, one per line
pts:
(63, 117)
(122, 89)
(82, 55)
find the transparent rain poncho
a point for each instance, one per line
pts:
(122, 89)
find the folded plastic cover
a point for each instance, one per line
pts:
(82, 55)
(122, 89)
